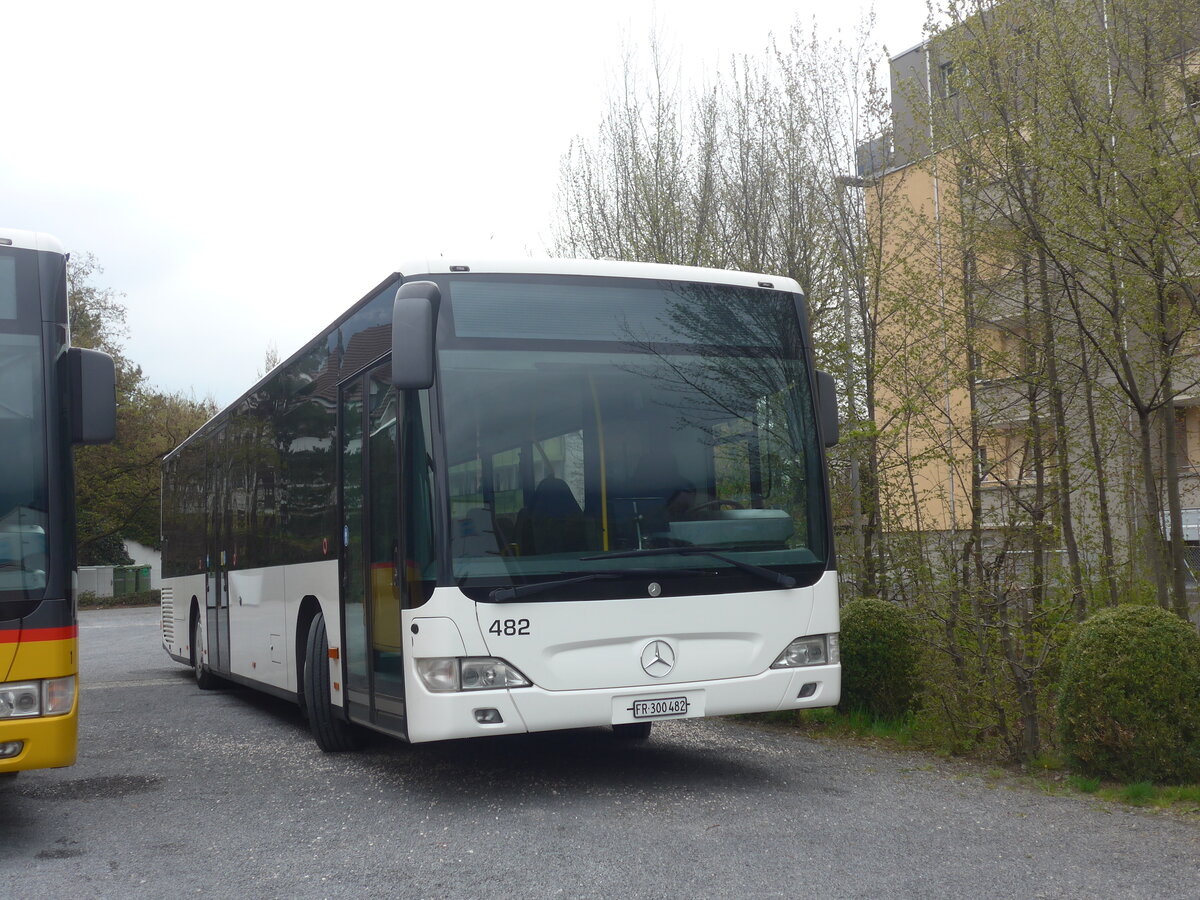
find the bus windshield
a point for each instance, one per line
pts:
(588, 422)
(23, 489)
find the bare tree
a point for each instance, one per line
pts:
(758, 170)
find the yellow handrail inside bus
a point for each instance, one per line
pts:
(603, 467)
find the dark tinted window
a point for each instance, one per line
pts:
(621, 310)
(8, 287)
(612, 415)
(24, 492)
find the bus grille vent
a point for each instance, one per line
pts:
(168, 614)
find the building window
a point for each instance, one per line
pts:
(1191, 90)
(1007, 352)
(1007, 455)
(1187, 437)
(949, 79)
(983, 468)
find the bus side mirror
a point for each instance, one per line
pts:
(93, 385)
(827, 407)
(414, 323)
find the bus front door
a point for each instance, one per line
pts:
(370, 578)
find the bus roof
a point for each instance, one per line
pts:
(446, 265)
(30, 240)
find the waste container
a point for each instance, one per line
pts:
(124, 581)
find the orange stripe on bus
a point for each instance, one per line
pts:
(21, 635)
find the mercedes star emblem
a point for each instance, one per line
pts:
(658, 659)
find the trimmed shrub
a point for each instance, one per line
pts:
(879, 658)
(1129, 696)
(88, 600)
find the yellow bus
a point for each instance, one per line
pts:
(52, 396)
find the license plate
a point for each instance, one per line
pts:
(664, 707)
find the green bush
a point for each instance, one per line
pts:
(879, 658)
(88, 600)
(1129, 696)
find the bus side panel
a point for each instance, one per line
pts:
(257, 648)
(319, 580)
(176, 609)
(826, 611)
(49, 741)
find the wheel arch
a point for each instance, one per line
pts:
(310, 607)
(193, 618)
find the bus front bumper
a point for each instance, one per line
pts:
(435, 717)
(47, 742)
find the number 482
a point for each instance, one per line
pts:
(509, 627)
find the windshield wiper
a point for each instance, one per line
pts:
(785, 581)
(504, 595)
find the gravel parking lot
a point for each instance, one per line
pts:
(179, 792)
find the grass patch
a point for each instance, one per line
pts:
(1047, 762)
(1189, 794)
(1184, 799)
(1139, 793)
(1084, 784)
(857, 723)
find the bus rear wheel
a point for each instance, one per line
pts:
(632, 731)
(332, 733)
(205, 680)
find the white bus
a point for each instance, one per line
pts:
(509, 498)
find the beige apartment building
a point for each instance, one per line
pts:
(993, 400)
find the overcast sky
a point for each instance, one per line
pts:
(245, 171)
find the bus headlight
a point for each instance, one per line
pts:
(485, 673)
(28, 699)
(59, 695)
(814, 650)
(471, 673)
(20, 701)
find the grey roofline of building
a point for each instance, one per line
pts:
(917, 46)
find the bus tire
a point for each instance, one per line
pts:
(205, 680)
(332, 733)
(632, 731)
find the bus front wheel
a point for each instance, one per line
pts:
(205, 680)
(332, 733)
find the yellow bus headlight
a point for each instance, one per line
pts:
(28, 699)
(58, 695)
(20, 700)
